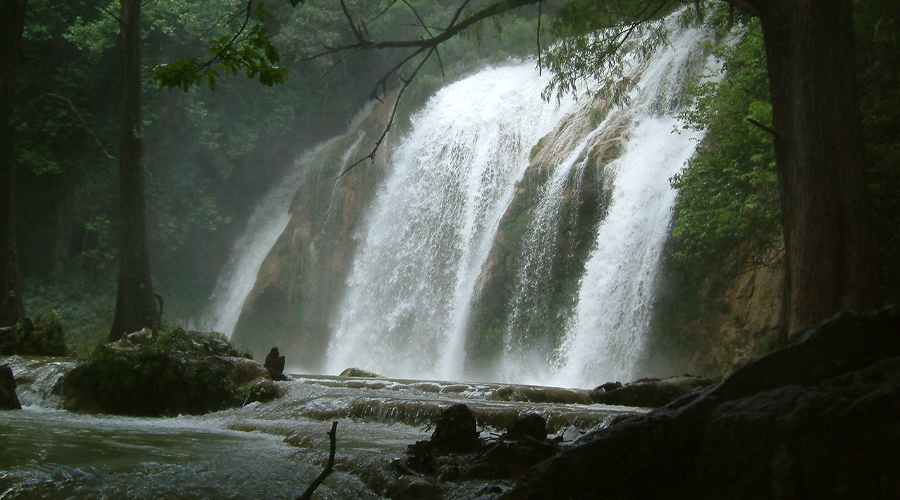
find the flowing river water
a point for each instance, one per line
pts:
(271, 450)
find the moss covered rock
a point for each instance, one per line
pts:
(178, 372)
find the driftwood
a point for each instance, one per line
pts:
(329, 467)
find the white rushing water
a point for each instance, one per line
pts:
(606, 337)
(261, 450)
(432, 225)
(265, 225)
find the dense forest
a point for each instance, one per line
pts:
(214, 143)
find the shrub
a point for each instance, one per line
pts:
(42, 337)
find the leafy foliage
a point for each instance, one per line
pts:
(175, 373)
(249, 49)
(42, 337)
(728, 194)
(595, 41)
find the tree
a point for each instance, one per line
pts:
(819, 155)
(817, 128)
(136, 306)
(12, 22)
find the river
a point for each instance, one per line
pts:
(270, 450)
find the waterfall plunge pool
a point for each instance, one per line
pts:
(270, 450)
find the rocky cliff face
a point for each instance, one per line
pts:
(301, 281)
(713, 320)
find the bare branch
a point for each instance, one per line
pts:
(330, 68)
(421, 21)
(75, 112)
(329, 467)
(764, 128)
(352, 24)
(111, 14)
(430, 43)
(455, 27)
(387, 128)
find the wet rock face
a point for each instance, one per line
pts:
(274, 364)
(455, 430)
(456, 462)
(359, 372)
(649, 392)
(531, 426)
(816, 419)
(8, 398)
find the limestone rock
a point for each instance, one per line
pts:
(134, 340)
(8, 398)
(274, 363)
(359, 372)
(532, 426)
(649, 392)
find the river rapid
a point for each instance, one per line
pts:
(262, 450)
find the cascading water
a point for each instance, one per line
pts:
(606, 336)
(265, 225)
(432, 225)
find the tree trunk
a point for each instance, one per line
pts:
(820, 157)
(135, 303)
(12, 21)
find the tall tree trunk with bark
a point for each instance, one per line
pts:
(820, 157)
(136, 306)
(12, 20)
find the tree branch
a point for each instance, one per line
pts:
(387, 128)
(764, 128)
(84, 124)
(454, 28)
(329, 467)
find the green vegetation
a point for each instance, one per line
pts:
(41, 337)
(729, 217)
(728, 212)
(208, 155)
(176, 372)
(728, 194)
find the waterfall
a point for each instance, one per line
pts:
(606, 336)
(511, 239)
(264, 226)
(430, 231)
(432, 224)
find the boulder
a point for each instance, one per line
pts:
(813, 420)
(455, 430)
(649, 392)
(8, 398)
(531, 426)
(274, 363)
(359, 372)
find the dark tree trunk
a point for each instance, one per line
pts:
(135, 303)
(12, 20)
(820, 157)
